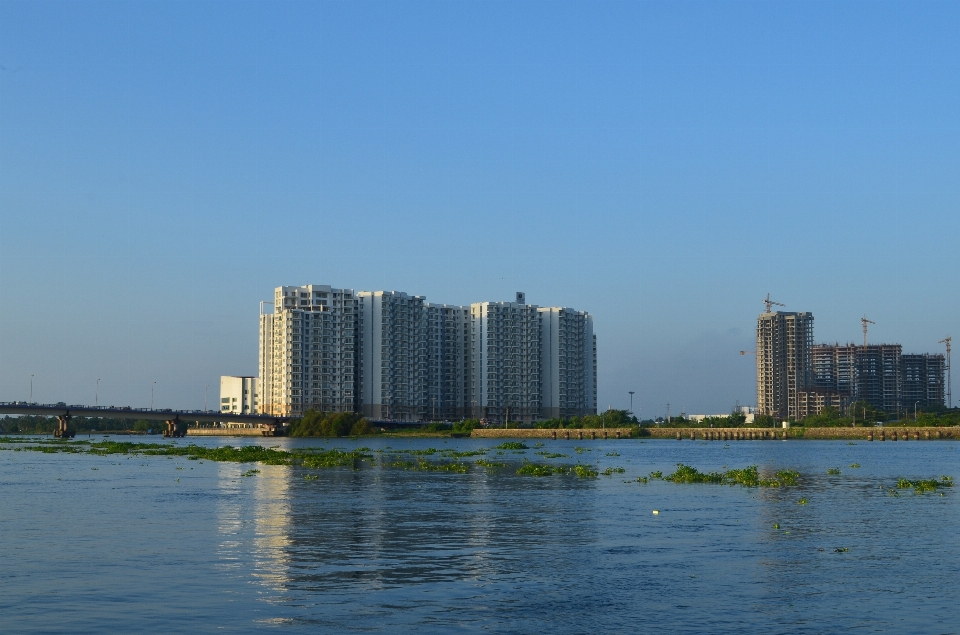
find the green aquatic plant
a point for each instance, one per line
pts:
(310, 477)
(747, 477)
(427, 466)
(613, 470)
(802, 501)
(488, 464)
(538, 444)
(855, 465)
(926, 485)
(833, 470)
(248, 472)
(657, 474)
(534, 469)
(584, 471)
(641, 479)
(776, 525)
(512, 445)
(553, 455)
(612, 454)
(580, 450)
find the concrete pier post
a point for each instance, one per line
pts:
(554, 435)
(63, 430)
(869, 436)
(678, 436)
(893, 436)
(693, 435)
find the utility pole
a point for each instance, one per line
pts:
(96, 397)
(947, 340)
(151, 394)
(631, 401)
(205, 391)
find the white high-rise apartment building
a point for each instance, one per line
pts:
(308, 351)
(568, 357)
(505, 361)
(448, 361)
(393, 356)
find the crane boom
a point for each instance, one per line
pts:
(770, 303)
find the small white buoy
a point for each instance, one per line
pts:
(656, 512)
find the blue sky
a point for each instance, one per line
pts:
(164, 166)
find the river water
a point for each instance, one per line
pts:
(94, 544)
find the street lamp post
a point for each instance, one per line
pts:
(96, 396)
(31, 388)
(915, 410)
(631, 401)
(151, 394)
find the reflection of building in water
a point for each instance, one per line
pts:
(272, 524)
(261, 545)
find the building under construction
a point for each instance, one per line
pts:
(796, 378)
(784, 341)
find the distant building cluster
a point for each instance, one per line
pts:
(797, 378)
(394, 356)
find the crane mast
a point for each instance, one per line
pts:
(865, 321)
(947, 340)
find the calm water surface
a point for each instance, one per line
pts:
(155, 544)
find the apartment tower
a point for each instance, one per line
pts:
(784, 340)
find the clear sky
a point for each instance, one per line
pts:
(663, 165)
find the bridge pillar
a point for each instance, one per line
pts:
(63, 431)
(175, 429)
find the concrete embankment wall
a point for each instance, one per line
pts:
(225, 432)
(868, 433)
(727, 434)
(542, 433)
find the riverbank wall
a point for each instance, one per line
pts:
(552, 433)
(728, 434)
(225, 432)
(899, 433)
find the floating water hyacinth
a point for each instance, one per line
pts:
(747, 477)
(923, 486)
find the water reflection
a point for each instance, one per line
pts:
(364, 549)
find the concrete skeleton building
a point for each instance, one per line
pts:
(796, 378)
(393, 356)
(783, 361)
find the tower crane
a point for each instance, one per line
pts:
(770, 303)
(865, 321)
(947, 340)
